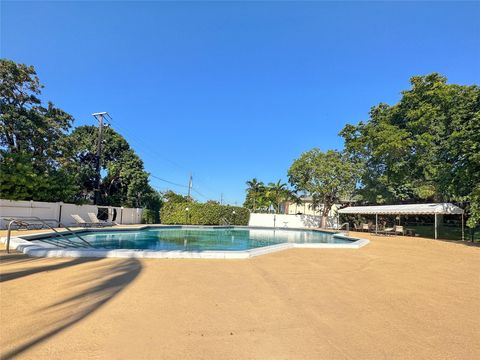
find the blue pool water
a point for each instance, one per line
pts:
(200, 239)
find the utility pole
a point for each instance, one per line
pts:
(221, 198)
(190, 183)
(98, 159)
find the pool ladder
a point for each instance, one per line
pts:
(64, 242)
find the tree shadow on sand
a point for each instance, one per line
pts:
(34, 270)
(91, 287)
(15, 257)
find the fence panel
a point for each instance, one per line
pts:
(63, 212)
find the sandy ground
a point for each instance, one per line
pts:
(396, 298)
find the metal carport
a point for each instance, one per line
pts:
(410, 209)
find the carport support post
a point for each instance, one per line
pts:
(463, 230)
(436, 231)
(376, 224)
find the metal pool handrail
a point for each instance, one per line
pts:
(21, 220)
(348, 227)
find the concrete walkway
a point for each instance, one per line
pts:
(396, 298)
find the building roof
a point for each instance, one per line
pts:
(419, 209)
(309, 198)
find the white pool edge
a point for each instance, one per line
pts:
(47, 250)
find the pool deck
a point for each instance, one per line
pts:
(397, 298)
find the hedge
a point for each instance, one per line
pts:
(150, 216)
(203, 214)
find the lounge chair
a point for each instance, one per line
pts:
(387, 231)
(96, 221)
(365, 227)
(80, 222)
(399, 230)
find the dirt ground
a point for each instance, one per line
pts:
(396, 298)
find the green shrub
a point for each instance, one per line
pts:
(150, 216)
(203, 214)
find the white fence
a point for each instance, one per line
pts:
(289, 221)
(63, 212)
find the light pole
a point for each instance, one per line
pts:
(233, 213)
(186, 214)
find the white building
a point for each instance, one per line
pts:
(306, 208)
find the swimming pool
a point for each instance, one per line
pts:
(181, 242)
(202, 239)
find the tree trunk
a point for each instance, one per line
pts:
(325, 211)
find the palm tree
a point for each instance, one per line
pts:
(277, 193)
(255, 188)
(294, 198)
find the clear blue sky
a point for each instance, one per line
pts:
(232, 91)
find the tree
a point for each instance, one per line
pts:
(254, 191)
(262, 198)
(276, 193)
(20, 179)
(424, 148)
(172, 197)
(125, 182)
(39, 160)
(328, 177)
(27, 126)
(29, 138)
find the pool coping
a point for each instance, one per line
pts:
(22, 243)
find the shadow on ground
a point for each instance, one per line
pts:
(93, 283)
(38, 269)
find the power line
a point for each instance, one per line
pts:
(142, 144)
(176, 184)
(156, 155)
(199, 193)
(168, 181)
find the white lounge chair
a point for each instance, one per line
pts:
(96, 221)
(400, 230)
(387, 231)
(80, 222)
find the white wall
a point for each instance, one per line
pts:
(288, 221)
(63, 212)
(306, 209)
(43, 210)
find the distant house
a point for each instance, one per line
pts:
(306, 208)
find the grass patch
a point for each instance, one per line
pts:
(446, 232)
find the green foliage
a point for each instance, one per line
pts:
(327, 176)
(262, 198)
(203, 214)
(40, 161)
(172, 197)
(126, 181)
(424, 148)
(255, 191)
(20, 179)
(474, 208)
(29, 135)
(26, 125)
(150, 216)
(276, 193)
